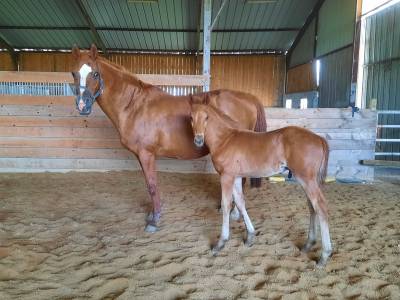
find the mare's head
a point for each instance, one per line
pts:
(199, 118)
(88, 82)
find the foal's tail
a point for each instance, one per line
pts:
(323, 168)
(261, 126)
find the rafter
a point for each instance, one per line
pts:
(302, 31)
(129, 29)
(93, 29)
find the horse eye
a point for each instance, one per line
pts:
(206, 118)
(96, 74)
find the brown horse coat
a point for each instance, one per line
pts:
(152, 123)
(236, 153)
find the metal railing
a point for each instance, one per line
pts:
(36, 89)
(386, 140)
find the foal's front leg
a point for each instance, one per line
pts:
(227, 188)
(147, 161)
(240, 204)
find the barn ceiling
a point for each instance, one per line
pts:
(155, 25)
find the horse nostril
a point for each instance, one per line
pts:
(198, 140)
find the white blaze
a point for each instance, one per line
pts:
(84, 71)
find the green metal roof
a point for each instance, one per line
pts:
(163, 25)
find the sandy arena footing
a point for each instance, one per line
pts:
(80, 236)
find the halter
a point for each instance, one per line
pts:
(88, 97)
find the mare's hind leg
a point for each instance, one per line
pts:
(319, 204)
(312, 229)
(240, 203)
(226, 201)
(147, 161)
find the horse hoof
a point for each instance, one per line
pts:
(324, 259)
(217, 248)
(249, 240)
(321, 263)
(307, 247)
(151, 228)
(149, 217)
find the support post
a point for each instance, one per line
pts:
(206, 42)
(356, 52)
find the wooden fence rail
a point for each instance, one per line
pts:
(45, 133)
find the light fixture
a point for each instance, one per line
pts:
(142, 1)
(261, 1)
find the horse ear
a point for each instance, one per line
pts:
(93, 52)
(75, 52)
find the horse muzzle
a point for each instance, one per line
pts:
(84, 104)
(199, 140)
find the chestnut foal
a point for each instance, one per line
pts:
(238, 153)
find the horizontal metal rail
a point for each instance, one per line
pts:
(388, 112)
(388, 126)
(388, 140)
(387, 153)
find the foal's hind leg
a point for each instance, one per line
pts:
(240, 203)
(312, 229)
(319, 204)
(226, 201)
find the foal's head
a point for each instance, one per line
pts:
(87, 79)
(199, 118)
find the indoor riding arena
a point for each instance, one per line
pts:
(199, 149)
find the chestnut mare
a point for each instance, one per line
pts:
(152, 123)
(236, 153)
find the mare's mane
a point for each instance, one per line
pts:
(127, 74)
(223, 117)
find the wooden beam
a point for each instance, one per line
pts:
(132, 29)
(207, 4)
(10, 49)
(66, 77)
(302, 31)
(95, 34)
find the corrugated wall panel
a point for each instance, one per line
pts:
(382, 74)
(304, 51)
(335, 79)
(336, 24)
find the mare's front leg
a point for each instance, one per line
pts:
(148, 163)
(226, 201)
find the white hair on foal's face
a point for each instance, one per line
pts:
(84, 72)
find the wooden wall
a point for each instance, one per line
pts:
(47, 134)
(301, 79)
(261, 75)
(5, 62)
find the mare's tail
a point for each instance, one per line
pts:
(261, 126)
(323, 168)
